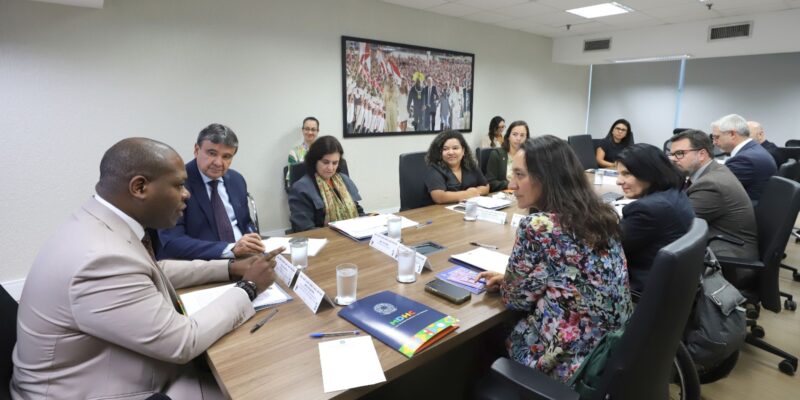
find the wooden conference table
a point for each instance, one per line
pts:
(280, 361)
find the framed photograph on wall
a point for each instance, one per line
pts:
(399, 89)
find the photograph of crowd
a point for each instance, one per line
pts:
(397, 89)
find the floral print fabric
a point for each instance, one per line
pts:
(573, 294)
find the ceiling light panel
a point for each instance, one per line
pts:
(600, 10)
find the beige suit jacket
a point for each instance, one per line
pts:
(97, 319)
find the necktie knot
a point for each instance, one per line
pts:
(213, 184)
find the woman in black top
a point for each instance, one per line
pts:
(498, 167)
(619, 137)
(453, 175)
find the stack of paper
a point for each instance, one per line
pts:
(314, 245)
(485, 259)
(194, 301)
(362, 228)
(349, 363)
(492, 203)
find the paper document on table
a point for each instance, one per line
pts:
(364, 227)
(193, 302)
(349, 363)
(620, 204)
(485, 259)
(492, 203)
(314, 245)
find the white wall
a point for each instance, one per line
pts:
(73, 81)
(771, 33)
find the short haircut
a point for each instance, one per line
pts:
(320, 148)
(649, 164)
(506, 145)
(732, 122)
(306, 119)
(133, 157)
(434, 156)
(697, 139)
(218, 133)
(628, 140)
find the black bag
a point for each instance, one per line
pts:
(718, 325)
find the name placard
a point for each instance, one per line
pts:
(384, 244)
(420, 260)
(515, 219)
(310, 292)
(285, 270)
(498, 217)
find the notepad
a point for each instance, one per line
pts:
(314, 245)
(362, 228)
(349, 363)
(193, 302)
(485, 259)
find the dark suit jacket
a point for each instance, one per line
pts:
(496, 170)
(772, 149)
(719, 198)
(306, 207)
(753, 166)
(195, 235)
(650, 223)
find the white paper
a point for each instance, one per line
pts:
(498, 217)
(515, 220)
(609, 180)
(485, 259)
(459, 208)
(309, 292)
(421, 262)
(349, 363)
(364, 227)
(195, 301)
(491, 202)
(620, 204)
(384, 244)
(314, 245)
(285, 270)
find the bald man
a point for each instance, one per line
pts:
(98, 317)
(757, 134)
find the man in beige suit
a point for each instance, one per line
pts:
(97, 318)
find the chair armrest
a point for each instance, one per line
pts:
(726, 238)
(741, 263)
(538, 384)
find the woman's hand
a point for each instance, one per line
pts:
(493, 280)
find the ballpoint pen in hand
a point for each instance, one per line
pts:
(485, 246)
(317, 335)
(261, 323)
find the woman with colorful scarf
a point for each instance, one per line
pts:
(323, 195)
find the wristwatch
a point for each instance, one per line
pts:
(249, 287)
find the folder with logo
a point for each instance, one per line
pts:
(399, 322)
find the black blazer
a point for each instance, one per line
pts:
(496, 170)
(650, 223)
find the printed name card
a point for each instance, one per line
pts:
(384, 244)
(422, 263)
(310, 292)
(285, 270)
(498, 217)
(515, 220)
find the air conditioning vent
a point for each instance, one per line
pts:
(595, 45)
(739, 29)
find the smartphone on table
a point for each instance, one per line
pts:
(447, 291)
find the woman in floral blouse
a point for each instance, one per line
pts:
(567, 269)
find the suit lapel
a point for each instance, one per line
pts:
(235, 197)
(198, 189)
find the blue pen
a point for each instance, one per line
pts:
(426, 223)
(317, 335)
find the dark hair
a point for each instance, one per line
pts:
(320, 148)
(218, 133)
(306, 119)
(697, 138)
(132, 157)
(493, 125)
(628, 140)
(567, 192)
(649, 164)
(434, 156)
(506, 145)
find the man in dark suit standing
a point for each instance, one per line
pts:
(716, 195)
(751, 164)
(757, 134)
(216, 223)
(416, 104)
(431, 104)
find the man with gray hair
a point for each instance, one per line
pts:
(751, 164)
(216, 223)
(757, 134)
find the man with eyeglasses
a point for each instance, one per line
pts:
(297, 154)
(751, 164)
(716, 194)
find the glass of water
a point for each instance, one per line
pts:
(346, 279)
(393, 227)
(299, 249)
(471, 210)
(406, 258)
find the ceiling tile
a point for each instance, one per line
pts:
(570, 4)
(765, 7)
(689, 10)
(490, 4)
(560, 18)
(526, 10)
(584, 29)
(630, 20)
(487, 17)
(542, 30)
(424, 4)
(640, 5)
(454, 9)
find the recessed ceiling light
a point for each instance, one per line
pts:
(600, 10)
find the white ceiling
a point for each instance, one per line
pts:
(548, 17)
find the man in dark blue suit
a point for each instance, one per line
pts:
(216, 222)
(757, 134)
(751, 164)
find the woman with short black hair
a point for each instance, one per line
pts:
(453, 174)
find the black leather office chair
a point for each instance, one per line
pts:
(8, 338)
(791, 170)
(584, 149)
(286, 185)
(413, 193)
(775, 215)
(482, 155)
(792, 143)
(640, 367)
(596, 143)
(299, 169)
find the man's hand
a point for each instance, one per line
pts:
(260, 269)
(493, 280)
(249, 244)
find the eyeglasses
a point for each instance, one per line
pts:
(306, 129)
(621, 129)
(680, 153)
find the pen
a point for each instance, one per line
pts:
(317, 335)
(424, 224)
(261, 323)
(485, 246)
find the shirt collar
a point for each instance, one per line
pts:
(135, 226)
(739, 147)
(696, 174)
(207, 179)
